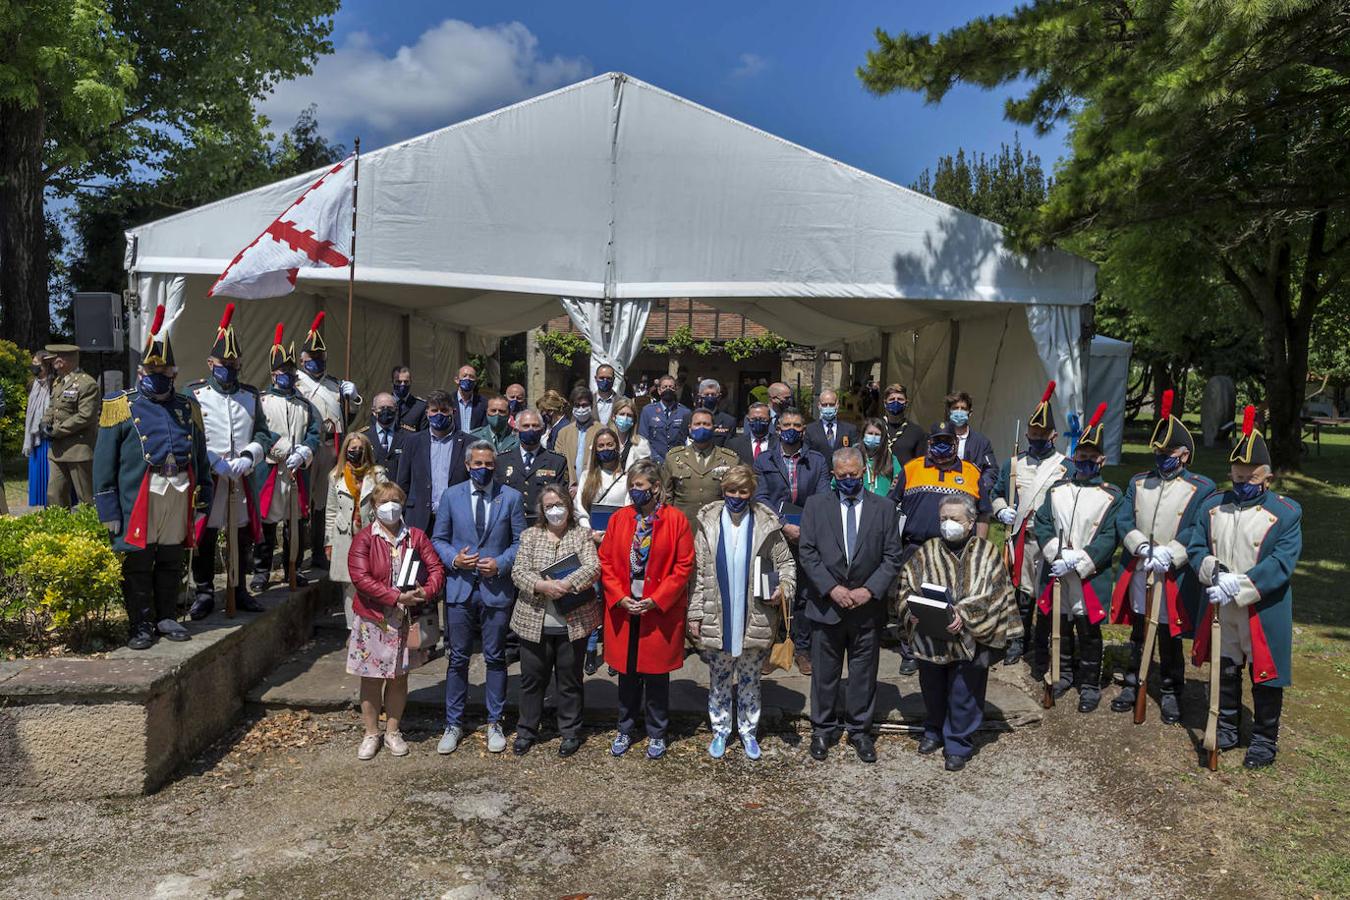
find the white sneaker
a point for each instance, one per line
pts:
(496, 740)
(370, 745)
(395, 742)
(450, 740)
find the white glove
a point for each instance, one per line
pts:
(1006, 515)
(1228, 583)
(1162, 559)
(1217, 595)
(114, 527)
(1059, 568)
(306, 455)
(295, 460)
(1142, 550)
(222, 467)
(348, 389)
(240, 466)
(1073, 557)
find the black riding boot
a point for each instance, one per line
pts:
(1171, 675)
(1017, 645)
(1124, 701)
(1230, 703)
(316, 538)
(138, 593)
(1090, 667)
(204, 575)
(263, 551)
(170, 559)
(1267, 702)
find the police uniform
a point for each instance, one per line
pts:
(693, 478)
(545, 467)
(1256, 542)
(71, 427)
(1078, 514)
(283, 490)
(150, 471)
(236, 429)
(325, 392)
(1035, 475)
(1156, 520)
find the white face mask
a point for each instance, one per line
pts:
(389, 513)
(581, 413)
(952, 530)
(556, 515)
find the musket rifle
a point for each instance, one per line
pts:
(294, 552)
(1211, 743)
(1056, 602)
(1150, 637)
(232, 548)
(1009, 555)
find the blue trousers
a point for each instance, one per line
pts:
(464, 622)
(953, 701)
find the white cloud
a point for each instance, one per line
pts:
(454, 70)
(750, 65)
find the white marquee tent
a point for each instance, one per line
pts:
(611, 193)
(1108, 380)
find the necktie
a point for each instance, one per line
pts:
(384, 440)
(758, 447)
(529, 461)
(829, 435)
(792, 476)
(851, 529)
(480, 512)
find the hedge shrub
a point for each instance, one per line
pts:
(14, 380)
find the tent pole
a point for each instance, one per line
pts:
(885, 359)
(953, 345)
(351, 262)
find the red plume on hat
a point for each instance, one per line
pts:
(1095, 432)
(280, 355)
(1049, 392)
(1251, 447)
(1170, 432)
(1248, 421)
(226, 347)
(1043, 416)
(157, 350)
(313, 339)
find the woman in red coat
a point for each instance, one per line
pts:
(646, 559)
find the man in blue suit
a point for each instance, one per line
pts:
(478, 527)
(665, 425)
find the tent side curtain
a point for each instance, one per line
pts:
(618, 346)
(1107, 379)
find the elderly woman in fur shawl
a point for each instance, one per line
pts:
(953, 672)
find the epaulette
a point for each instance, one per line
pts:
(1111, 488)
(406, 427)
(116, 410)
(1289, 502)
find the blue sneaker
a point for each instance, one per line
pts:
(656, 748)
(620, 745)
(717, 747)
(751, 747)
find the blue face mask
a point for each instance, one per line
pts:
(156, 384)
(225, 375)
(1040, 447)
(402, 390)
(1245, 491)
(827, 413)
(623, 423)
(736, 504)
(759, 427)
(640, 496)
(849, 485)
(530, 437)
(481, 476)
(604, 384)
(871, 441)
(315, 367)
(607, 455)
(790, 437)
(941, 450)
(709, 402)
(515, 405)
(467, 384)
(701, 435)
(895, 407)
(958, 417)
(285, 381)
(1087, 468)
(1167, 464)
(439, 421)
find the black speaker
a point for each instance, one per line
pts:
(98, 322)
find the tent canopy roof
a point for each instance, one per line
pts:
(614, 188)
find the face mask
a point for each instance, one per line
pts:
(285, 381)
(401, 390)
(1040, 447)
(439, 421)
(1087, 468)
(959, 417)
(849, 485)
(700, 435)
(497, 422)
(790, 436)
(315, 367)
(623, 423)
(1167, 463)
(481, 476)
(759, 427)
(829, 412)
(709, 402)
(225, 375)
(389, 513)
(529, 437)
(354, 456)
(778, 403)
(36, 370)
(607, 456)
(556, 515)
(736, 504)
(640, 496)
(895, 407)
(467, 384)
(604, 384)
(515, 405)
(871, 441)
(668, 395)
(1245, 491)
(386, 416)
(156, 384)
(581, 413)
(952, 531)
(941, 450)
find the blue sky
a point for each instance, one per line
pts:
(402, 68)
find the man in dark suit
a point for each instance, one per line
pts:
(528, 467)
(470, 406)
(757, 438)
(850, 555)
(432, 461)
(386, 436)
(972, 446)
(665, 425)
(710, 398)
(827, 434)
(412, 410)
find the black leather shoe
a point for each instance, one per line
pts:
(592, 662)
(929, 745)
(820, 746)
(258, 583)
(142, 637)
(1171, 709)
(202, 606)
(569, 746)
(1258, 759)
(909, 666)
(1088, 698)
(1061, 687)
(1124, 701)
(521, 746)
(953, 763)
(1013, 655)
(865, 747)
(245, 602)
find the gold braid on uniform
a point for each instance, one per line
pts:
(116, 410)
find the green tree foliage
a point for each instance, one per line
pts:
(1003, 188)
(1221, 123)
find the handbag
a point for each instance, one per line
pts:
(424, 626)
(782, 654)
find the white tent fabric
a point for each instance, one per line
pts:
(612, 188)
(1108, 378)
(619, 345)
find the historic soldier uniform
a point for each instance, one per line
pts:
(1076, 529)
(149, 463)
(1156, 521)
(528, 473)
(693, 477)
(236, 439)
(1039, 467)
(282, 476)
(332, 398)
(1244, 548)
(71, 426)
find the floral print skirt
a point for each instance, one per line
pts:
(380, 649)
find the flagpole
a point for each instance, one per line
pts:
(351, 262)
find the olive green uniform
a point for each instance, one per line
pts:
(71, 422)
(693, 479)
